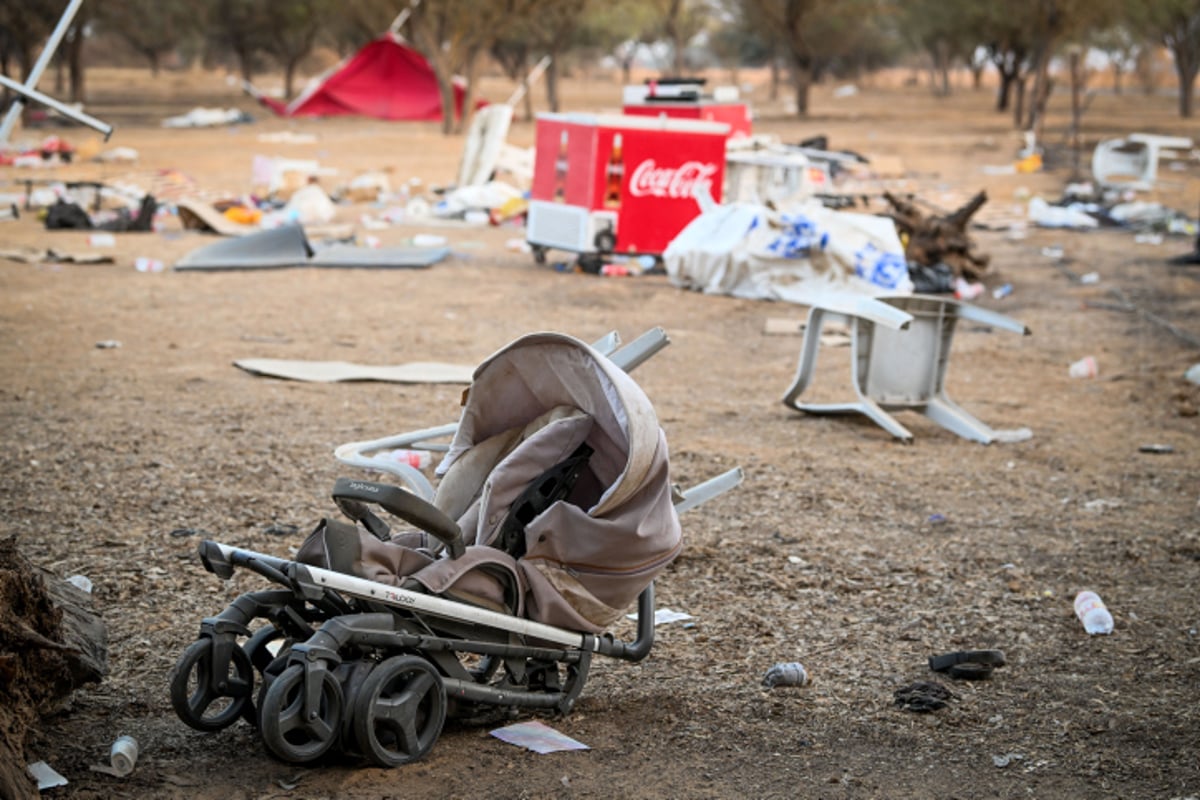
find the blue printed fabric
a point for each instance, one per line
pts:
(800, 237)
(887, 270)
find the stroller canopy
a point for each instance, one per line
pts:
(587, 557)
(541, 371)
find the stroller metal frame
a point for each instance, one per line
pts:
(376, 668)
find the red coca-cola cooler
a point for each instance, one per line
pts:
(608, 183)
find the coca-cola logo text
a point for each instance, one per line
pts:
(687, 180)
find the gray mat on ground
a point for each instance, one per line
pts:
(332, 371)
(289, 247)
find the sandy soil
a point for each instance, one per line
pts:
(845, 550)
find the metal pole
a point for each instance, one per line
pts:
(530, 79)
(62, 108)
(35, 74)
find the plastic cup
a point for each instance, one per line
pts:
(1084, 368)
(124, 755)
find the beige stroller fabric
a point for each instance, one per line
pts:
(588, 557)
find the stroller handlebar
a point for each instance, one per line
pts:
(403, 504)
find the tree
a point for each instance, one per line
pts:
(816, 35)
(453, 35)
(1176, 24)
(23, 26)
(679, 22)
(620, 28)
(293, 34)
(239, 27)
(152, 28)
(1121, 47)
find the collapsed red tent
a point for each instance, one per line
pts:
(386, 79)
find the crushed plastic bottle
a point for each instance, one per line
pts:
(1093, 613)
(791, 673)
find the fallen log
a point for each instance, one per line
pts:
(930, 240)
(51, 643)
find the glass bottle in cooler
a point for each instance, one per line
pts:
(614, 174)
(560, 170)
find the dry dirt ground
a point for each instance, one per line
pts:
(845, 550)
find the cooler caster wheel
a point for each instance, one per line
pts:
(606, 241)
(539, 255)
(400, 711)
(205, 700)
(299, 725)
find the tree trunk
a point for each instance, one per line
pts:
(1005, 91)
(289, 77)
(51, 643)
(1041, 66)
(551, 78)
(802, 79)
(244, 59)
(1019, 104)
(775, 79)
(1186, 66)
(527, 105)
(75, 65)
(471, 74)
(1076, 113)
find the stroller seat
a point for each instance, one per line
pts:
(552, 516)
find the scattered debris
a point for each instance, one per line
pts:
(1093, 613)
(45, 776)
(969, 665)
(1083, 368)
(790, 673)
(1156, 448)
(538, 737)
(208, 118)
(122, 758)
(1012, 435)
(31, 255)
(923, 696)
(81, 582)
(662, 616)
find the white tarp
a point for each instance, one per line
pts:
(749, 251)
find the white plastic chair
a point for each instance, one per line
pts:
(899, 365)
(1133, 162)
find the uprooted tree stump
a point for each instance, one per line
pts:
(941, 239)
(51, 643)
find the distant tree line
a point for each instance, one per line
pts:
(801, 41)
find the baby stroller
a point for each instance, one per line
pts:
(553, 513)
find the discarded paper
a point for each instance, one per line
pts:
(538, 737)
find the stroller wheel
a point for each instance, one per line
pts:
(204, 700)
(289, 730)
(256, 646)
(399, 711)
